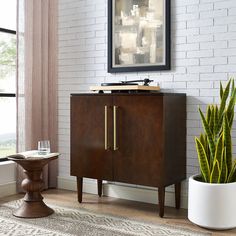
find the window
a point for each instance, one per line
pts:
(7, 78)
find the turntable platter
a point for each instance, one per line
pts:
(117, 84)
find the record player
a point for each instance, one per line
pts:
(126, 87)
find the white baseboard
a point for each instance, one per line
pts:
(7, 189)
(123, 192)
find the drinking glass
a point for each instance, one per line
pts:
(43, 147)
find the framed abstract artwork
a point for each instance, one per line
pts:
(138, 35)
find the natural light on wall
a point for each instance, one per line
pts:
(7, 78)
(8, 14)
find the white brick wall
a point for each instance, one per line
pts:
(203, 53)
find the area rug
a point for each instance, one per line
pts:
(81, 222)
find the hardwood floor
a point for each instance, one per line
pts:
(118, 207)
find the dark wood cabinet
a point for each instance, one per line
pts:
(131, 138)
(88, 155)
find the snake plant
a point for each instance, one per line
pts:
(214, 146)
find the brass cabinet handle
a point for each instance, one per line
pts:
(106, 129)
(114, 125)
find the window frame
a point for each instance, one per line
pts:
(8, 31)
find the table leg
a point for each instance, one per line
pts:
(99, 187)
(161, 199)
(80, 188)
(177, 195)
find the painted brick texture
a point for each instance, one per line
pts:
(203, 54)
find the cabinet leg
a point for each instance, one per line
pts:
(80, 188)
(177, 195)
(99, 187)
(161, 199)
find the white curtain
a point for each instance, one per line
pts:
(37, 80)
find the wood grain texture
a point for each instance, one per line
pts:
(150, 138)
(88, 155)
(139, 140)
(33, 205)
(174, 129)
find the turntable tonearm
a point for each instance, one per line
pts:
(126, 87)
(146, 82)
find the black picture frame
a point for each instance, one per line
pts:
(166, 65)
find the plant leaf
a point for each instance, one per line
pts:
(208, 114)
(216, 121)
(232, 174)
(224, 99)
(202, 140)
(219, 125)
(232, 101)
(221, 90)
(204, 165)
(230, 116)
(232, 87)
(230, 108)
(209, 135)
(215, 174)
(223, 167)
(227, 140)
(212, 120)
(219, 148)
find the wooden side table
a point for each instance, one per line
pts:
(33, 205)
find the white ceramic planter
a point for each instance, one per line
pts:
(212, 206)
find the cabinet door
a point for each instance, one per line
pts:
(139, 156)
(88, 155)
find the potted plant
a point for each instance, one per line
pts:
(212, 194)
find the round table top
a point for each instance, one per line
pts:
(32, 155)
(33, 161)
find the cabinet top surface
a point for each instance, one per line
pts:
(130, 94)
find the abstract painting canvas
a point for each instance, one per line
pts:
(138, 35)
